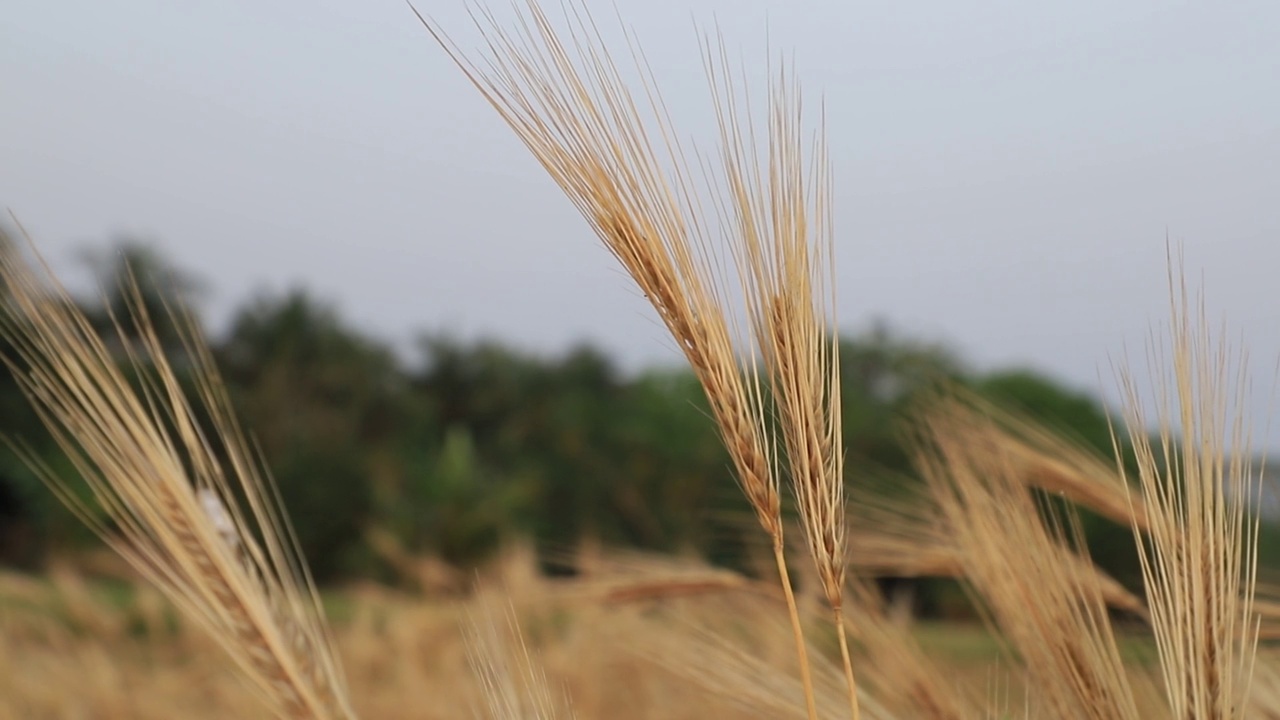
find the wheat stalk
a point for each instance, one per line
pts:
(627, 175)
(780, 207)
(898, 668)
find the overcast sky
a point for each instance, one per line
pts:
(1006, 172)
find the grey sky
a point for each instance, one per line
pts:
(1006, 171)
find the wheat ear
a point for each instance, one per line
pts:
(780, 208)
(168, 487)
(1199, 554)
(616, 158)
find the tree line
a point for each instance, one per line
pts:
(466, 444)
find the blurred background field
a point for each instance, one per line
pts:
(428, 494)
(619, 641)
(448, 487)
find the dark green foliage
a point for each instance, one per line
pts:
(882, 376)
(452, 505)
(324, 489)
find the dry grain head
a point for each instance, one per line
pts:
(614, 154)
(165, 466)
(1199, 554)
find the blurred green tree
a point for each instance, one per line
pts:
(324, 404)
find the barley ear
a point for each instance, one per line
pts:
(616, 158)
(1199, 551)
(779, 209)
(164, 467)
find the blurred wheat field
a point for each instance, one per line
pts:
(620, 646)
(635, 636)
(218, 617)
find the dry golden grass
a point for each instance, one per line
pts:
(409, 657)
(647, 637)
(513, 683)
(725, 652)
(898, 671)
(1044, 458)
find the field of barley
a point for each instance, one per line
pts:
(634, 637)
(202, 605)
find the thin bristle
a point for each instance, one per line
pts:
(1199, 554)
(154, 471)
(514, 684)
(741, 674)
(779, 212)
